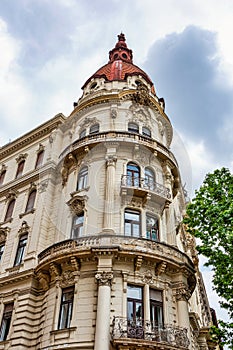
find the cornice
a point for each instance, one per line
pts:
(116, 97)
(16, 277)
(32, 136)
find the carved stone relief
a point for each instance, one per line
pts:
(104, 278)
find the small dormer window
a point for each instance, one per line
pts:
(93, 85)
(94, 128)
(82, 133)
(146, 131)
(133, 127)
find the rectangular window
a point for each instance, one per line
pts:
(77, 228)
(2, 246)
(21, 250)
(152, 228)
(134, 312)
(66, 308)
(156, 308)
(6, 321)
(132, 223)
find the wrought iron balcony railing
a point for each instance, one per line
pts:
(146, 184)
(169, 335)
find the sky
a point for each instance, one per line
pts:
(49, 48)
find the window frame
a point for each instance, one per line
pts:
(10, 210)
(6, 321)
(20, 168)
(133, 173)
(146, 131)
(82, 178)
(159, 305)
(133, 127)
(94, 129)
(149, 178)
(39, 159)
(132, 223)
(77, 227)
(31, 201)
(65, 313)
(135, 322)
(83, 133)
(21, 248)
(2, 248)
(2, 177)
(153, 236)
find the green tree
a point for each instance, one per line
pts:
(210, 218)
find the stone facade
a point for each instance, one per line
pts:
(93, 251)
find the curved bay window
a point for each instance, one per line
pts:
(146, 131)
(94, 128)
(10, 209)
(31, 201)
(19, 171)
(133, 175)
(82, 178)
(156, 308)
(132, 223)
(77, 227)
(152, 228)
(133, 127)
(134, 312)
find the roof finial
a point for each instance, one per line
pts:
(121, 51)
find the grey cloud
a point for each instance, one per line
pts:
(184, 69)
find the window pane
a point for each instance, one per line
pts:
(82, 133)
(2, 246)
(10, 209)
(21, 250)
(6, 321)
(136, 230)
(2, 176)
(31, 201)
(134, 292)
(66, 308)
(94, 129)
(133, 127)
(146, 132)
(82, 178)
(39, 159)
(20, 169)
(77, 228)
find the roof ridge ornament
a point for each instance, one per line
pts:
(121, 52)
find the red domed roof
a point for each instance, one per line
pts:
(120, 65)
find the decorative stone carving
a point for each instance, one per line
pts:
(54, 271)
(160, 268)
(3, 234)
(141, 96)
(43, 186)
(21, 157)
(40, 148)
(104, 278)
(24, 228)
(87, 122)
(3, 168)
(12, 194)
(67, 278)
(77, 203)
(113, 113)
(161, 128)
(111, 160)
(137, 263)
(147, 277)
(182, 292)
(43, 279)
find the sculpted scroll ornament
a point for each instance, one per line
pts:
(182, 293)
(104, 278)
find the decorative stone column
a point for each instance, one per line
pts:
(102, 333)
(182, 296)
(109, 192)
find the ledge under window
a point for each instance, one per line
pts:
(31, 211)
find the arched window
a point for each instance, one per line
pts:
(133, 127)
(132, 223)
(94, 129)
(146, 131)
(39, 159)
(133, 175)
(152, 228)
(149, 179)
(31, 201)
(10, 209)
(82, 133)
(19, 171)
(77, 227)
(2, 177)
(82, 178)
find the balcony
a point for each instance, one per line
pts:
(167, 337)
(141, 187)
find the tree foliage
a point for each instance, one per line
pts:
(210, 218)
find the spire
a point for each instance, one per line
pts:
(121, 51)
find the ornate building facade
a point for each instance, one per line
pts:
(93, 251)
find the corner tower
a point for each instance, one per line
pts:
(113, 267)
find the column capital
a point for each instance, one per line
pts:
(182, 292)
(104, 278)
(111, 160)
